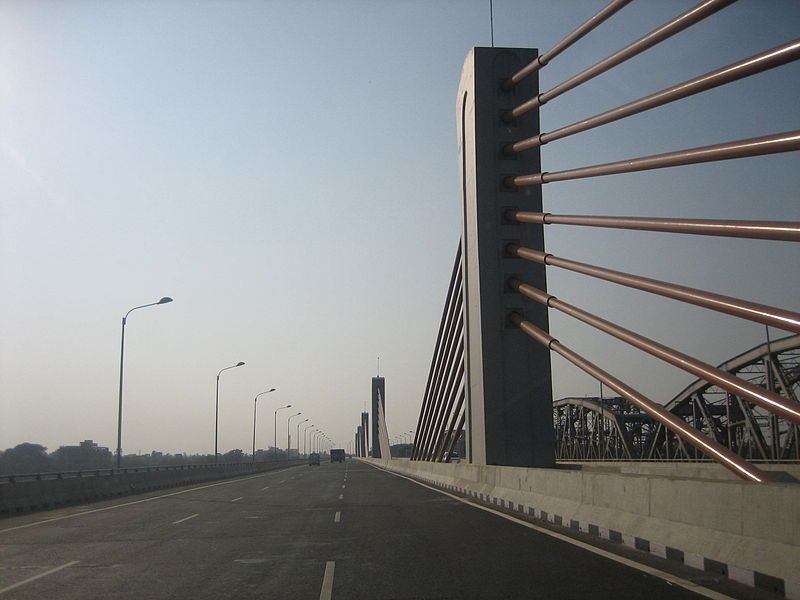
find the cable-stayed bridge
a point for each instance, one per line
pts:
(509, 492)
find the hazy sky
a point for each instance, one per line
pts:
(287, 172)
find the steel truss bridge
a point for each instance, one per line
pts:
(613, 429)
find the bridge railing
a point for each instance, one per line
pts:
(499, 205)
(49, 475)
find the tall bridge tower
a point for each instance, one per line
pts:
(378, 395)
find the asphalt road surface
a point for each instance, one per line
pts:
(341, 531)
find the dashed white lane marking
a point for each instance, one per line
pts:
(341, 496)
(264, 489)
(327, 581)
(668, 577)
(105, 508)
(342, 486)
(186, 518)
(64, 566)
(237, 499)
(337, 518)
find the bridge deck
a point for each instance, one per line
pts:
(338, 531)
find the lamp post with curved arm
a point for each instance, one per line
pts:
(288, 436)
(255, 405)
(164, 300)
(216, 411)
(297, 436)
(305, 437)
(311, 434)
(275, 429)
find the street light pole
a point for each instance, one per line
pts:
(311, 435)
(288, 436)
(216, 411)
(255, 405)
(297, 436)
(305, 438)
(275, 429)
(164, 300)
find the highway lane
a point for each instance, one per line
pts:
(267, 540)
(335, 531)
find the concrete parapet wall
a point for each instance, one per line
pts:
(748, 532)
(29, 495)
(685, 470)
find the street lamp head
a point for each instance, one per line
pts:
(165, 300)
(240, 364)
(264, 392)
(288, 406)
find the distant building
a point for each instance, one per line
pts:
(86, 455)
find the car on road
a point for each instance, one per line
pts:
(313, 459)
(454, 457)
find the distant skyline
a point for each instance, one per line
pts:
(287, 172)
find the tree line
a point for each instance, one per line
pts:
(30, 457)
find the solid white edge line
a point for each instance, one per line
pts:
(96, 510)
(186, 518)
(237, 499)
(668, 577)
(327, 581)
(39, 576)
(337, 518)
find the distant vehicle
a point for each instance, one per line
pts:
(313, 459)
(454, 457)
(337, 455)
